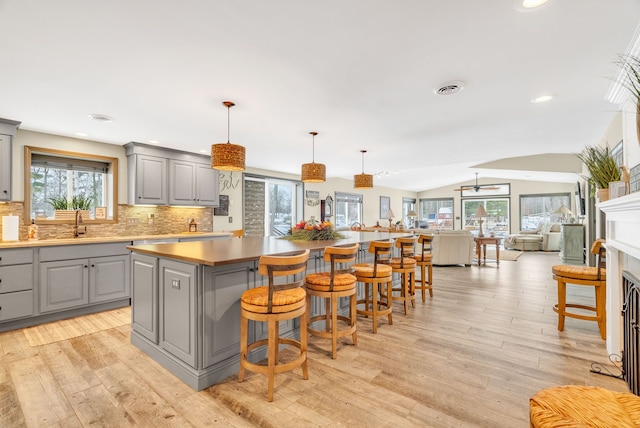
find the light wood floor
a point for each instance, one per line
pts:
(469, 357)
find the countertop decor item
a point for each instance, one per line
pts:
(313, 231)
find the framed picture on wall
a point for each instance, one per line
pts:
(385, 205)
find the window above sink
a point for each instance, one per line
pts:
(86, 182)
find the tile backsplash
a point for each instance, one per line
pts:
(132, 220)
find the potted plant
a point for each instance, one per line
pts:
(65, 209)
(602, 168)
(82, 203)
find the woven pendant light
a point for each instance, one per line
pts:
(363, 181)
(314, 172)
(227, 156)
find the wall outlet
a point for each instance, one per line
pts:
(132, 221)
(230, 219)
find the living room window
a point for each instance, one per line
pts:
(496, 221)
(436, 214)
(543, 208)
(348, 209)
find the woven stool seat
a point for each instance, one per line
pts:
(257, 300)
(331, 286)
(404, 262)
(322, 281)
(423, 257)
(370, 270)
(272, 304)
(583, 276)
(583, 406)
(585, 273)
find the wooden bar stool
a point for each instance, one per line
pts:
(339, 282)
(375, 276)
(271, 304)
(424, 259)
(405, 265)
(583, 275)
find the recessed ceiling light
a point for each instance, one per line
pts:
(81, 134)
(542, 99)
(204, 151)
(530, 4)
(101, 117)
(449, 88)
(153, 142)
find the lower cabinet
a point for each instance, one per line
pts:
(223, 287)
(70, 283)
(144, 296)
(177, 309)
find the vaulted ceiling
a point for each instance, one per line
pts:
(361, 73)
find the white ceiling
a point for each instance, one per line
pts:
(359, 72)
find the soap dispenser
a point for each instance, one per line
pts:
(32, 231)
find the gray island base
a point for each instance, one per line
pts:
(186, 300)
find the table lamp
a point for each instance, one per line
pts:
(480, 213)
(412, 215)
(390, 217)
(563, 212)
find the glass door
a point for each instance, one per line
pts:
(271, 206)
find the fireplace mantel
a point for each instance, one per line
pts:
(623, 253)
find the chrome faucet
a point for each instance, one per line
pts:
(77, 229)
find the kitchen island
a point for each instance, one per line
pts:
(186, 299)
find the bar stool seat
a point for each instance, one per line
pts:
(594, 276)
(405, 265)
(271, 304)
(424, 259)
(583, 406)
(331, 286)
(376, 277)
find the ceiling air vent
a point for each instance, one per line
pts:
(101, 118)
(448, 88)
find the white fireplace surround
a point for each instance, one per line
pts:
(623, 253)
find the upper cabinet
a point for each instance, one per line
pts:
(170, 177)
(8, 129)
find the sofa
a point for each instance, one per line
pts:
(451, 247)
(547, 237)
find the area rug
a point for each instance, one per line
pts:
(57, 331)
(505, 255)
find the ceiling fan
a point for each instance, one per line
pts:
(477, 186)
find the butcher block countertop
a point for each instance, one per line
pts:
(227, 251)
(106, 239)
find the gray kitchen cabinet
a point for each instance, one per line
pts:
(8, 130)
(222, 286)
(16, 283)
(148, 180)
(109, 278)
(192, 183)
(5, 167)
(79, 275)
(64, 284)
(177, 309)
(144, 295)
(161, 176)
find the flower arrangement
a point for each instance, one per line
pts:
(313, 231)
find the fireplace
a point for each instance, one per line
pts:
(631, 331)
(623, 255)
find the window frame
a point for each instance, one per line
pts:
(113, 187)
(547, 217)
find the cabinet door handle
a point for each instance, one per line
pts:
(86, 266)
(93, 265)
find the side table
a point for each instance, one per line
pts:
(481, 247)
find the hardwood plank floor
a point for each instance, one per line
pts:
(471, 356)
